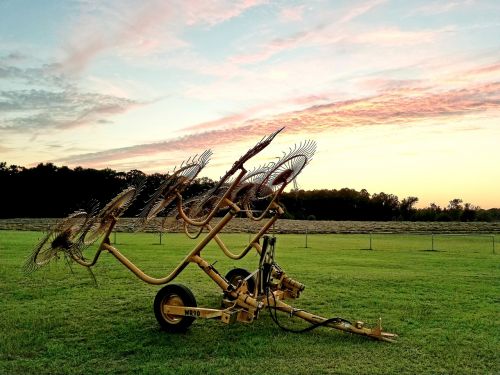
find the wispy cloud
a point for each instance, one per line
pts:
(12, 57)
(360, 9)
(145, 29)
(483, 71)
(33, 76)
(192, 143)
(4, 149)
(35, 110)
(381, 84)
(277, 45)
(37, 98)
(398, 106)
(337, 33)
(135, 29)
(440, 7)
(392, 36)
(256, 112)
(58, 105)
(292, 14)
(213, 12)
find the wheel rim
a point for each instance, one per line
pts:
(238, 278)
(172, 300)
(235, 280)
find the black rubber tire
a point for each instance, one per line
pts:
(237, 274)
(174, 294)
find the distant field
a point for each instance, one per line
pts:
(444, 305)
(290, 226)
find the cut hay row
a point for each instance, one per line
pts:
(240, 225)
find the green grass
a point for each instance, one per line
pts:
(444, 305)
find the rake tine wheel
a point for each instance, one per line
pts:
(103, 222)
(165, 195)
(289, 166)
(61, 238)
(285, 170)
(238, 164)
(223, 189)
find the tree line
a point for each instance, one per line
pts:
(50, 191)
(349, 204)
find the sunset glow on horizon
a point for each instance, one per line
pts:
(401, 97)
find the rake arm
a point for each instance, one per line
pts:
(341, 324)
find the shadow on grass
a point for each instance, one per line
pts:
(239, 339)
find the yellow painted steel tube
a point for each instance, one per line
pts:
(375, 333)
(254, 243)
(271, 205)
(158, 281)
(224, 199)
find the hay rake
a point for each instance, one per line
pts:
(245, 294)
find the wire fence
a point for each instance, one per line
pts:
(379, 241)
(407, 241)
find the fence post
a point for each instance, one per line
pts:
(493, 240)
(432, 241)
(370, 241)
(306, 237)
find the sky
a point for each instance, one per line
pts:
(401, 97)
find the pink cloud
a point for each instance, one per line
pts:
(137, 30)
(188, 144)
(440, 7)
(255, 111)
(79, 57)
(397, 37)
(386, 84)
(212, 12)
(335, 32)
(485, 71)
(323, 33)
(359, 10)
(292, 14)
(4, 149)
(142, 31)
(390, 107)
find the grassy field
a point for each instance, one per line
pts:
(444, 305)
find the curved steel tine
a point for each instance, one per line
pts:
(249, 154)
(188, 169)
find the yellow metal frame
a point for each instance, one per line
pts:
(245, 294)
(243, 305)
